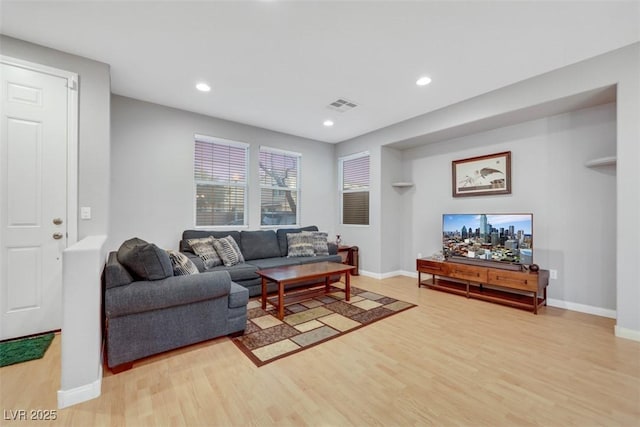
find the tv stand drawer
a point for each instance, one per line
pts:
(468, 272)
(432, 267)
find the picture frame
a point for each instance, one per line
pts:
(482, 175)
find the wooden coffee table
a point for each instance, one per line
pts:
(290, 274)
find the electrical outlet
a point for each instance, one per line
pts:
(553, 274)
(419, 254)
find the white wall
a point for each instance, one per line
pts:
(94, 97)
(574, 207)
(152, 171)
(620, 68)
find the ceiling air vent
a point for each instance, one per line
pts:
(342, 105)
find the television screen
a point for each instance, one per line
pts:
(492, 237)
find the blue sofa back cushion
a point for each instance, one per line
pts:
(145, 261)
(259, 244)
(282, 237)
(199, 234)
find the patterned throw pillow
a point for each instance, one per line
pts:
(205, 250)
(228, 250)
(320, 244)
(300, 244)
(182, 265)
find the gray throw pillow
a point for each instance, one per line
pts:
(300, 244)
(182, 265)
(145, 261)
(320, 243)
(228, 250)
(206, 251)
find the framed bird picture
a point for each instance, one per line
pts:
(482, 176)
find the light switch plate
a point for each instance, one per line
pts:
(85, 213)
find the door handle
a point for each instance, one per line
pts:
(57, 236)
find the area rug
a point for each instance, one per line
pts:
(24, 349)
(311, 322)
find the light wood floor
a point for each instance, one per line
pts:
(450, 361)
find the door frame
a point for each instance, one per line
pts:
(72, 137)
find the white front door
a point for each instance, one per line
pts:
(33, 211)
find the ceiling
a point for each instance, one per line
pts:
(279, 64)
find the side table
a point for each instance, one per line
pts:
(349, 256)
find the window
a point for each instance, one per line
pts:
(220, 176)
(279, 187)
(354, 188)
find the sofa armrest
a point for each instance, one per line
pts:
(333, 248)
(141, 296)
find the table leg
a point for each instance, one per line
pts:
(264, 293)
(419, 278)
(280, 300)
(347, 286)
(535, 303)
(327, 287)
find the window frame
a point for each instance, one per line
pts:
(226, 142)
(298, 188)
(342, 191)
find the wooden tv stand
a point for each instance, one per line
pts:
(522, 289)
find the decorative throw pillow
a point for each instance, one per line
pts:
(145, 261)
(300, 244)
(182, 265)
(320, 244)
(204, 249)
(228, 250)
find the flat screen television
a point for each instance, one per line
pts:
(500, 238)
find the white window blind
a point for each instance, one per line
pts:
(279, 187)
(354, 172)
(220, 176)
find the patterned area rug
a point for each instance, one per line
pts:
(311, 322)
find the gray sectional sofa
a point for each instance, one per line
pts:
(145, 317)
(261, 250)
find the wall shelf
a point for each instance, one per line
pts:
(602, 161)
(402, 184)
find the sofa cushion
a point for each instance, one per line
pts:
(228, 250)
(205, 249)
(300, 244)
(320, 244)
(145, 260)
(259, 244)
(199, 234)
(182, 265)
(282, 237)
(263, 264)
(239, 272)
(115, 274)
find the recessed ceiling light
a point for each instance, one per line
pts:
(423, 81)
(203, 87)
(328, 123)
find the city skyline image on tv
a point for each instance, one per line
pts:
(495, 237)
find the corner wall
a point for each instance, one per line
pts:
(573, 206)
(621, 68)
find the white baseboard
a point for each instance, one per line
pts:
(381, 276)
(80, 394)
(629, 334)
(582, 308)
